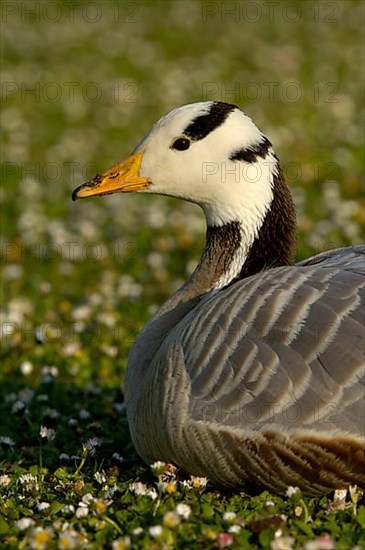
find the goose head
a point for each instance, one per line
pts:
(212, 154)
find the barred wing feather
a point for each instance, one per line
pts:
(268, 375)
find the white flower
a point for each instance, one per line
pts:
(68, 540)
(229, 517)
(100, 477)
(234, 529)
(47, 433)
(24, 523)
(43, 506)
(82, 510)
(109, 491)
(155, 531)
(71, 349)
(340, 495)
(117, 457)
(198, 482)
(91, 445)
(87, 499)
(152, 494)
(158, 467)
(167, 487)
(138, 488)
(184, 510)
(28, 478)
(30, 481)
(18, 407)
(122, 543)
(282, 543)
(68, 509)
(137, 531)
(6, 441)
(5, 480)
(291, 491)
(185, 484)
(64, 457)
(82, 313)
(26, 368)
(171, 519)
(49, 372)
(324, 542)
(41, 538)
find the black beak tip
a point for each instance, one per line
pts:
(74, 194)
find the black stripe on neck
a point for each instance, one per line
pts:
(202, 125)
(253, 152)
(221, 244)
(274, 245)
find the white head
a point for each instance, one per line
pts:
(189, 154)
(212, 154)
(209, 153)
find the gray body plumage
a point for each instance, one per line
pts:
(261, 383)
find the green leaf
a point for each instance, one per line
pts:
(4, 527)
(361, 516)
(56, 507)
(63, 473)
(265, 537)
(304, 527)
(207, 511)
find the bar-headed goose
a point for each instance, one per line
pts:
(252, 374)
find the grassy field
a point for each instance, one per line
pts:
(81, 84)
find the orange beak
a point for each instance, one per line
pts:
(123, 177)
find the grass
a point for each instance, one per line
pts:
(80, 280)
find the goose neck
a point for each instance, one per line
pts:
(239, 248)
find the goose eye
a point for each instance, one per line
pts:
(181, 144)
